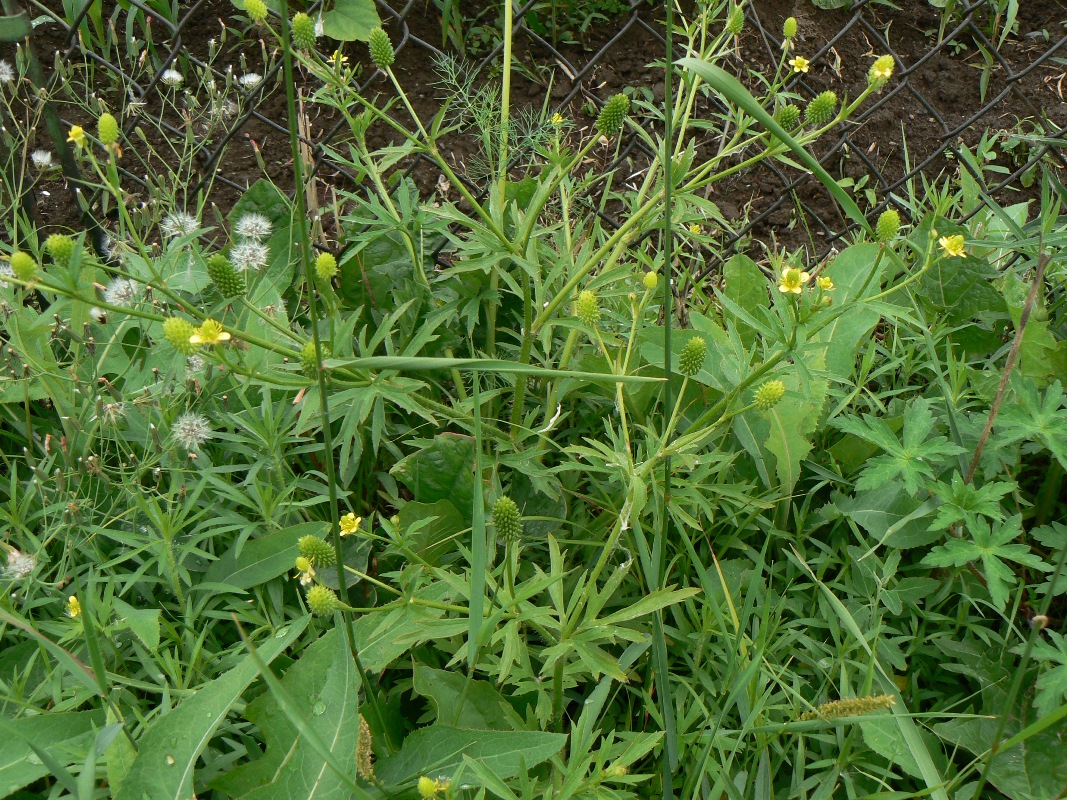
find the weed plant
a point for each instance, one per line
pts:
(485, 497)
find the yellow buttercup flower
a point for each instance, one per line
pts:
(800, 64)
(882, 68)
(74, 607)
(338, 59)
(350, 524)
(209, 333)
(695, 229)
(793, 280)
(306, 570)
(952, 245)
(557, 119)
(824, 283)
(77, 135)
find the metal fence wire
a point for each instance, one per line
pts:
(951, 87)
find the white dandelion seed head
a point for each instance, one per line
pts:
(7, 72)
(179, 224)
(249, 254)
(98, 315)
(194, 365)
(191, 430)
(112, 413)
(19, 565)
(250, 80)
(252, 226)
(122, 292)
(42, 159)
(171, 77)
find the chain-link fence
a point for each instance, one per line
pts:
(959, 75)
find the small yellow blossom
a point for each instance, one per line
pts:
(306, 570)
(338, 59)
(800, 64)
(882, 68)
(695, 229)
(557, 119)
(824, 283)
(429, 787)
(793, 280)
(952, 245)
(209, 333)
(350, 524)
(74, 606)
(77, 135)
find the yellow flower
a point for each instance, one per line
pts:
(824, 283)
(74, 607)
(350, 524)
(306, 570)
(557, 119)
(882, 68)
(952, 245)
(209, 333)
(427, 787)
(338, 59)
(793, 280)
(77, 135)
(694, 229)
(800, 64)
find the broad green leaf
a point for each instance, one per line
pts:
(439, 749)
(883, 736)
(351, 20)
(955, 289)
(431, 363)
(65, 735)
(444, 470)
(432, 530)
(262, 559)
(463, 703)
(1031, 418)
(746, 285)
(169, 749)
(849, 272)
(1051, 685)
(144, 622)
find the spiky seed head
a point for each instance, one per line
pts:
(821, 110)
(692, 357)
(650, 280)
(227, 280)
(612, 115)
(303, 30)
(735, 23)
(322, 600)
(23, 266)
(888, 226)
(177, 332)
(256, 10)
(769, 395)
(507, 520)
(381, 49)
(309, 364)
(788, 116)
(107, 128)
(318, 551)
(588, 308)
(60, 247)
(789, 28)
(325, 266)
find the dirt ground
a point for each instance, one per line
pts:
(936, 101)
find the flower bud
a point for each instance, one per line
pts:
(612, 115)
(177, 332)
(227, 280)
(888, 226)
(381, 49)
(821, 110)
(60, 247)
(303, 30)
(23, 266)
(317, 551)
(322, 600)
(588, 308)
(256, 10)
(692, 357)
(769, 395)
(325, 266)
(507, 520)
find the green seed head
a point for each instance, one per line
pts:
(227, 280)
(692, 357)
(769, 394)
(787, 116)
(789, 28)
(821, 110)
(303, 30)
(507, 520)
(318, 551)
(888, 226)
(23, 266)
(60, 247)
(612, 115)
(107, 128)
(735, 23)
(381, 49)
(325, 266)
(309, 365)
(322, 600)
(177, 332)
(650, 280)
(588, 308)
(256, 10)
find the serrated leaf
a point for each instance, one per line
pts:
(849, 272)
(444, 470)
(65, 735)
(746, 285)
(461, 701)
